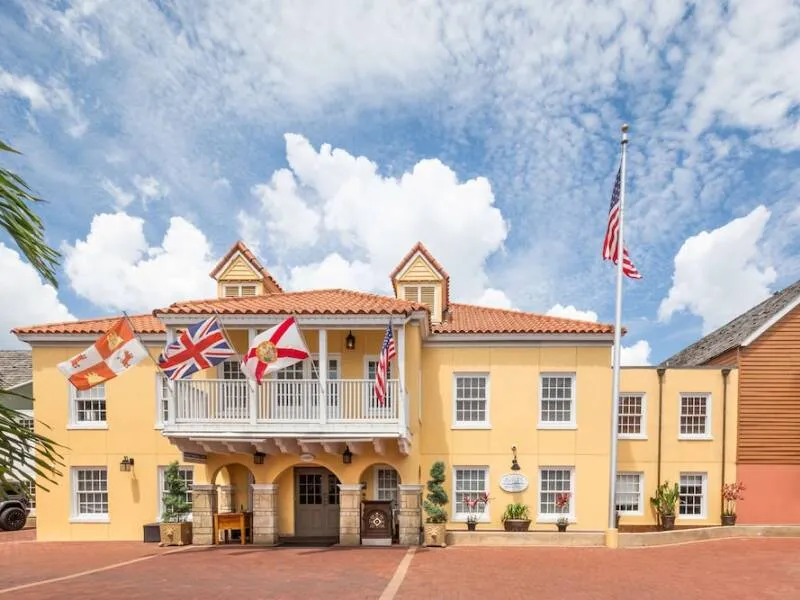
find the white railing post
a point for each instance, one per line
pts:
(252, 387)
(322, 397)
(172, 405)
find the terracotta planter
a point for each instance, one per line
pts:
(471, 526)
(667, 522)
(562, 527)
(516, 524)
(435, 534)
(728, 520)
(176, 534)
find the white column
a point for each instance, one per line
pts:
(172, 405)
(401, 368)
(252, 386)
(323, 375)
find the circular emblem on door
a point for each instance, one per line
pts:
(376, 520)
(267, 352)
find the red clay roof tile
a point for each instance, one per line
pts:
(466, 318)
(141, 324)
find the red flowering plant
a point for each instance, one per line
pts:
(562, 504)
(731, 492)
(473, 504)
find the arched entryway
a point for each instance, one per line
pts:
(381, 482)
(316, 502)
(233, 486)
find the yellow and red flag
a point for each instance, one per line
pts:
(117, 350)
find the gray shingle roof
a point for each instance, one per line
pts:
(15, 368)
(732, 334)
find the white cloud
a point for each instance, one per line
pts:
(570, 312)
(637, 355)
(25, 299)
(721, 273)
(494, 299)
(331, 201)
(115, 268)
(149, 187)
(45, 98)
(121, 197)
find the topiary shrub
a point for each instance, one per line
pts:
(176, 509)
(436, 497)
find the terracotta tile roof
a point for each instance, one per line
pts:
(141, 323)
(420, 247)
(15, 368)
(466, 318)
(270, 285)
(733, 333)
(325, 302)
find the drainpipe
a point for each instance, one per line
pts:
(660, 372)
(725, 372)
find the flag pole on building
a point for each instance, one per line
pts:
(612, 506)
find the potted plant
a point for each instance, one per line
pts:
(664, 502)
(562, 504)
(515, 518)
(731, 492)
(435, 501)
(481, 500)
(175, 529)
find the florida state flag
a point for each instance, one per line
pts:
(274, 349)
(117, 350)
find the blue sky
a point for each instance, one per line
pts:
(332, 138)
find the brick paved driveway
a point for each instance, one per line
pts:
(759, 568)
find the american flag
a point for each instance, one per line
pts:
(199, 347)
(388, 352)
(611, 242)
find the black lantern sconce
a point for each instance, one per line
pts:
(514, 463)
(126, 464)
(350, 341)
(347, 456)
(258, 458)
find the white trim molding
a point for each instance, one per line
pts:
(512, 340)
(772, 321)
(457, 517)
(466, 425)
(703, 498)
(572, 423)
(703, 437)
(642, 435)
(553, 517)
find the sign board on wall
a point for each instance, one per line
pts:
(513, 482)
(194, 457)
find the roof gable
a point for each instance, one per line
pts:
(239, 251)
(420, 251)
(741, 331)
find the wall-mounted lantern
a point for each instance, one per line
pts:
(350, 341)
(514, 463)
(347, 456)
(258, 458)
(126, 464)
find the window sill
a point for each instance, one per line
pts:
(695, 438)
(691, 517)
(471, 426)
(552, 519)
(557, 426)
(630, 514)
(97, 425)
(463, 519)
(95, 519)
(630, 436)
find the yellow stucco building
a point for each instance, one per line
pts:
(300, 452)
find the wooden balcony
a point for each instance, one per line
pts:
(290, 407)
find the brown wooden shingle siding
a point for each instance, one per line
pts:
(729, 358)
(769, 395)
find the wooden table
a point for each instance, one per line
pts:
(232, 521)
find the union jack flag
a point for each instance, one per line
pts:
(388, 352)
(199, 347)
(611, 241)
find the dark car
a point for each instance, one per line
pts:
(14, 508)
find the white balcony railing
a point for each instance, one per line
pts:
(284, 401)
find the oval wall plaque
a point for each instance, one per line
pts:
(513, 482)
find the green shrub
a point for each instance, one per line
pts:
(176, 508)
(516, 512)
(436, 499)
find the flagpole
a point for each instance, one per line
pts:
(147, 350)
(612, 505)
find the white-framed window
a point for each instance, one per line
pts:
(162, 399)
(554, 481)
(370, 368)
(187, 474)
(693, 496)
(424, 294)
(25, 419)
(387, 483)
(629, 493)
(557, 400)
(468, 483)
(695, 416)
(90, 493)
(88, 407)
(632, 411)
(232, 290)
(471, 400)
(231, 369)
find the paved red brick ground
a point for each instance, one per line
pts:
(759, 569)
(23, 535)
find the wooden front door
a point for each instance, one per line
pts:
(316, 503)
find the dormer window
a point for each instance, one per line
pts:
(424, 294)
(239, 290)
(420, 278)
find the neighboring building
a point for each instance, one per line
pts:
(302, 450)
(16, 376)
(764, 344)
